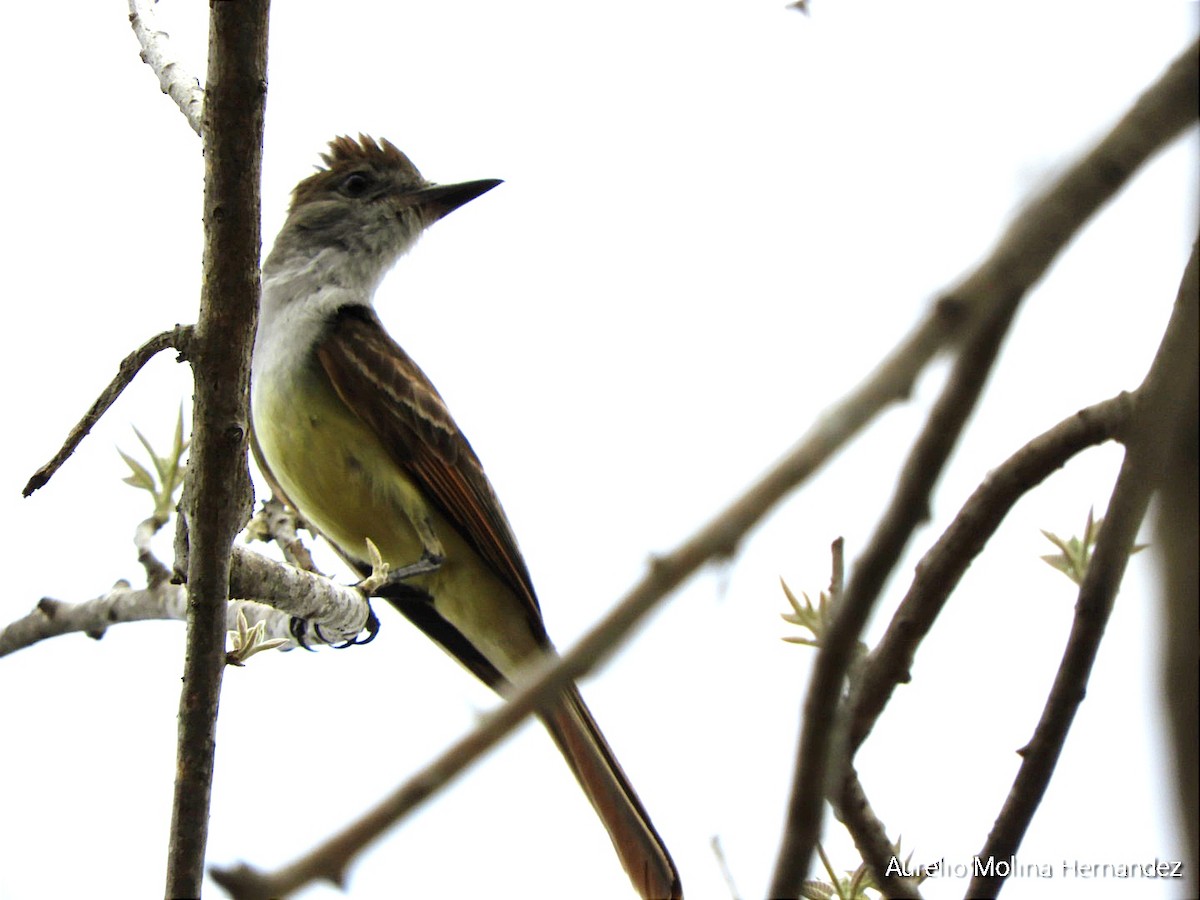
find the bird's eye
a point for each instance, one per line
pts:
(355, 184)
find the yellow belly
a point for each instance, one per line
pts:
(341, 478)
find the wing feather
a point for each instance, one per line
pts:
(410, 418)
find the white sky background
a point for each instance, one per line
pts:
(716, 218)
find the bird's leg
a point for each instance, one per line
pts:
(429, 562)
(383, 576)
(395, 583)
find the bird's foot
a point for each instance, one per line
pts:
(300, 631)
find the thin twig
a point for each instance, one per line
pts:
(1159, 399)
(989, 296)
(870, 837)
(217, 494)
(157, 572)
(837, 571)
(723, 865)
(179, 337)
(276, 522)
(176, 82)
(853, 807)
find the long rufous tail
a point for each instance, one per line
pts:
(638, 845)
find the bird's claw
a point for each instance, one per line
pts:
(299, 631)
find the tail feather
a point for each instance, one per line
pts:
(640, 849)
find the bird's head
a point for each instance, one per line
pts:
(368, 204)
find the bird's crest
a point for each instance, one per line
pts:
(344, 150)
(346, 154)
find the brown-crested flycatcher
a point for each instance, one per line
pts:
(357, 440)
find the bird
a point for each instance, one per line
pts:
(353, 436)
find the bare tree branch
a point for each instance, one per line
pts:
(1046, 224)
(176, 82)
(340, 611)
(723, 865)
(822, 736)
(939, 571)
(123, 603)
(267, 591)
(276, 522)
(987, 298)
(1159, 399)
(272, 593)
(870, 837)
(1176, 535)
(854, 809)
(180, 337)
(216, 501)
(937, 574)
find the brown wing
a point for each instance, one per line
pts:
(410, 418)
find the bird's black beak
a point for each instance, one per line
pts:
(439, 200)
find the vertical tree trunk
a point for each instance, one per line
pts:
(217, 494)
